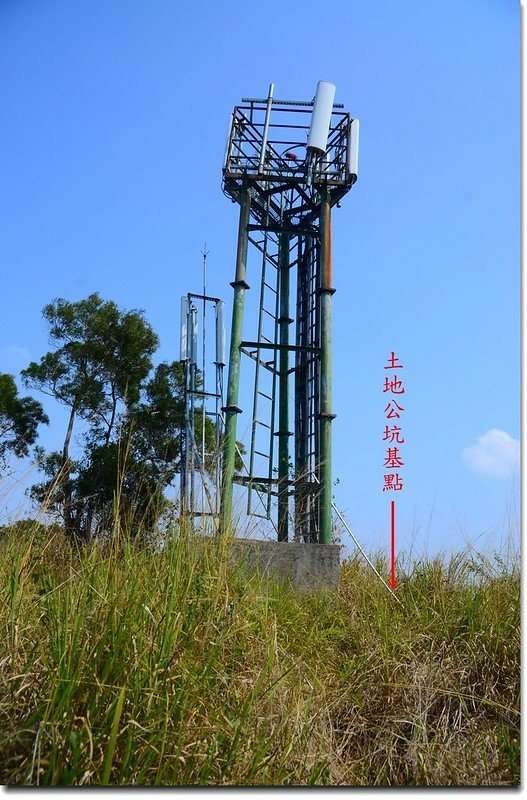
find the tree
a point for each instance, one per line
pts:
(19, 420)
(102, 356)
(141, 463)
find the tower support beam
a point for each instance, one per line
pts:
(326, 415)
(231, 409)
(284, 433)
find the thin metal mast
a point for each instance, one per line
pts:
(198, 461)
(204, 253)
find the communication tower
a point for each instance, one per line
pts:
(287, 163)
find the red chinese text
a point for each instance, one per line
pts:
(393, 434)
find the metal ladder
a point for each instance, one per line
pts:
(262, 448)
(307, 385)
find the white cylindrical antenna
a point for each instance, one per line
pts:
(193, 334)
(353, 148)
(183, 330)
(321, 119)
(220, 335)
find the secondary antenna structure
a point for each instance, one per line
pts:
(203, 397)
(287, 163)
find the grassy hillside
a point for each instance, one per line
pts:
(126, 667)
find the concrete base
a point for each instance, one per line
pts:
(309, 567)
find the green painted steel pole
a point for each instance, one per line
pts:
(284, 433)
(231, 408)
(326, 415)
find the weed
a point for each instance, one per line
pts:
(133, 667)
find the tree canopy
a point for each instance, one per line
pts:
(19, 420)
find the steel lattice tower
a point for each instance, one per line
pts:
(287, 163)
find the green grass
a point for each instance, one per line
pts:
(124, 666)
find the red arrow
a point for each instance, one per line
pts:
(393, 580)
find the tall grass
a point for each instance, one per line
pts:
(125, 666)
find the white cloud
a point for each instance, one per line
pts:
(495, 454)
(14, 351)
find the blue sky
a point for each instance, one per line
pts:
(112, 137)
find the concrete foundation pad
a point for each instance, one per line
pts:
(309, 567)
